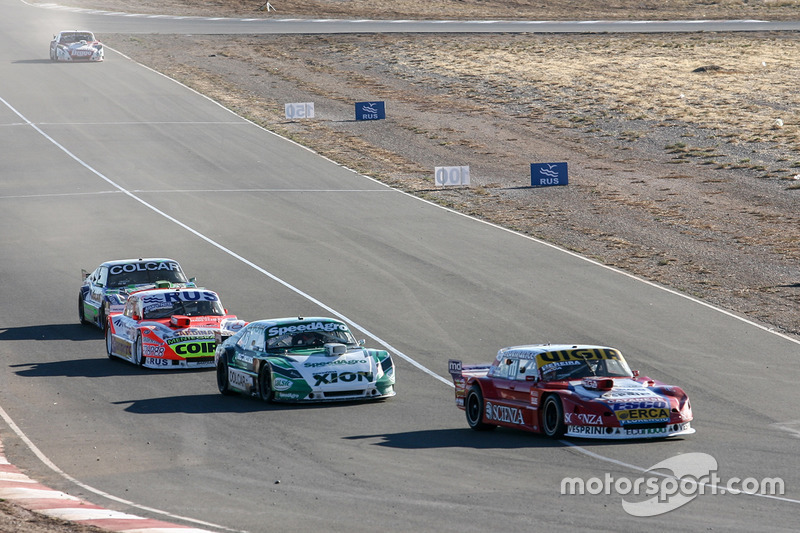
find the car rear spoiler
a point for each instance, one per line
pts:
(457, 369)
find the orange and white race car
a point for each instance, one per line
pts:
(170, 328)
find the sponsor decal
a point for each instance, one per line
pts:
(246, 359)
(152, 351)
(646, 431)
(144, 266)
(454, 366)
(657, 403)
(339, 362)
(311, 326)
(502, 413)
(534, 397)
(152, 361)
(583, 418)
(194, 348)
(239, 379)
(583, 354)
(634, 416)
(627, 393)
(287, 395)
(587, 430)
(328, 378)
(281, 384)
(188, 336)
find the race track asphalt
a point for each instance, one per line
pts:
(112, 160)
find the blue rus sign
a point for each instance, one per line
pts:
(548, 174)
(370, 111)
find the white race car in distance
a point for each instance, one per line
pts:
(75, 45)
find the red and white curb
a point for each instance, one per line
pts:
(18, 488)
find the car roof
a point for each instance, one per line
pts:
(137, 260)
(294, 320)
(531, 350)
(150, 292)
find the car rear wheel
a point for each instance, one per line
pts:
(553, 417)
(265, 391)
(136, 351)
(474, 408)
(222, 378)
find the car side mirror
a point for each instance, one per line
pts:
(136, 317)
(636, 373)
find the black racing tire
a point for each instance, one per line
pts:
(222, 378)
(109, 341)
(52, 56)
(102, 316)
(136, 351)
(265, 391)
(474, 407)
(553, 417)
(81, 312)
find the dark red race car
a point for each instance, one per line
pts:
(571, 390)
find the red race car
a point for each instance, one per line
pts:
(571, 390)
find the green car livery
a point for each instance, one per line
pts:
(302, 360)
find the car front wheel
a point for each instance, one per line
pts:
(474, 408)
(81, 311)
(265, 391)
(109, 343)
(553, 417)
(136, 351)
(222, 378)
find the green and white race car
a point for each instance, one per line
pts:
(302, 360)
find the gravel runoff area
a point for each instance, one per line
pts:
(683, 150)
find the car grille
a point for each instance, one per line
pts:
(201, 359)
(344, 393)
(651, 425)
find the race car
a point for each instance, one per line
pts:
(569, 390)
(76, 46)
(170, 328)
(105, 290)
(302, 360)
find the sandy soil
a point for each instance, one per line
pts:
(690, 179)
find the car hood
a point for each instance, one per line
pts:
(333, 372)
(623, 390)
(198, 327)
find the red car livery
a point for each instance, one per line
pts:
(76, 46)
(569, 390)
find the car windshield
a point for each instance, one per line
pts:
(567, 370)
(76, 37)
(139, 274)
(186, 308)
(309, 339)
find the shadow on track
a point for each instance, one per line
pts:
(212, 403)
(501, 438)
(51, 332)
